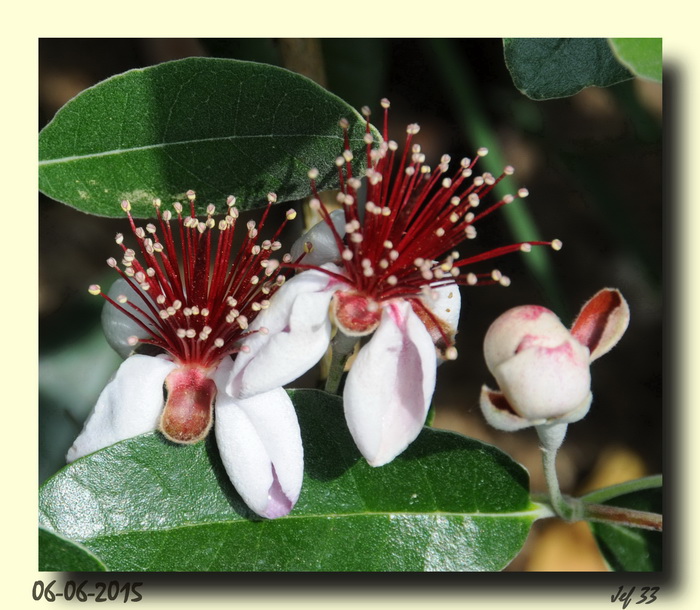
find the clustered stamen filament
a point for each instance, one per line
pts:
(413, 215)
(198, 311)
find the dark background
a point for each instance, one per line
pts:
(592, 164)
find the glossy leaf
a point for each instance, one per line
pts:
(546, 68)
(59, 555)
(218, 126)
(642, 56)
(628, 549)
(447, 503)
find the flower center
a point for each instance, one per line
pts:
(356, 314)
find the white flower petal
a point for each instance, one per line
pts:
(324, 247)
(260, 446)
(129, 405)
(506, 333)
(544, 382)
(579, 412)
(298, 333)
(390, 385)
(447, 304)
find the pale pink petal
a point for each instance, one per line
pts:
(390, 385)
(505, 335)
(298, 333)
(578, 412)
(541, 382)
(260, 446)
(129, 405)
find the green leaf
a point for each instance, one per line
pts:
(628, 549)
(56, 554)
(546, 68)
(642, 56)
(447, 503)
(218, 126)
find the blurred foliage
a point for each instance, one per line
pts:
(642, 56)
(548, 68)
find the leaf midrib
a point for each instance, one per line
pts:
(119, 151)
(535, 513)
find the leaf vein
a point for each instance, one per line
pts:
(122, 151)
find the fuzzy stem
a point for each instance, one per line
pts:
(577, 509)
(566, 510)
(551, 438)
(342, 347)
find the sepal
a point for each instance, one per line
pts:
(602, 322)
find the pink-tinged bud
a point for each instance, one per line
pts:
(542, 368)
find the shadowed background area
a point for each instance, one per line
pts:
(592, 164)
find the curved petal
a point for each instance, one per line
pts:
(324, 246)
(443, 304)
(505, 336)
(260, 446)
(500, 414)
(446, 305)
(543, 382)
(298, 333)
(579, 412)
(129, 405)
(390, 385)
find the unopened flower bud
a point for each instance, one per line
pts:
(542, 371)
(542, 368)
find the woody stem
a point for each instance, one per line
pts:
(630, 517)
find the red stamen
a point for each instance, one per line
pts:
(200, 313)
(413, 216)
